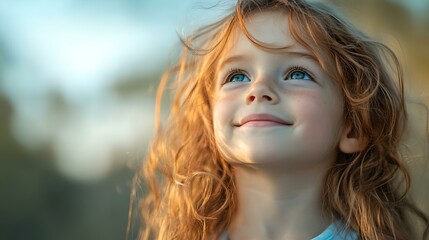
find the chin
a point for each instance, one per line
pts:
(261, 156)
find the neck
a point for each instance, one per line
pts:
(274, 205)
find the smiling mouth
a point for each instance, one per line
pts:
(262, 120)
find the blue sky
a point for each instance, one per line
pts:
(79, 49)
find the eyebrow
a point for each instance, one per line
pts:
(237, 58)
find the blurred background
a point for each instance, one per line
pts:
(77, 84)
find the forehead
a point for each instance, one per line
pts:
(268, 27)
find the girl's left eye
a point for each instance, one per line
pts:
(298, 74)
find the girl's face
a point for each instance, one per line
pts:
(275, 107)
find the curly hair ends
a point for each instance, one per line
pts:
(191, 188)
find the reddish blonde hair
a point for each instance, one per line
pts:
(190, 187)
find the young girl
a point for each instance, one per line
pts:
(285, 125)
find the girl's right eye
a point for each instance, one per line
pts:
(237, 75)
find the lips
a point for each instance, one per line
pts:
(262, 120)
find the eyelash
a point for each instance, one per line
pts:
(233, 71)
(300, 68)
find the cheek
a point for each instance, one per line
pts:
(222, 119)
(220, 114)
(223, 110)
(321, 116)
(220, 130)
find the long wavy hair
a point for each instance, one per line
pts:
(189, 188)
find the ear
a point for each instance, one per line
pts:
(350, 143)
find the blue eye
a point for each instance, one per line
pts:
(237, 76)
(298, 75)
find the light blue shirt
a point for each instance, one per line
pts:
(335, 231)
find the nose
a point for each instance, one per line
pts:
(262, 91)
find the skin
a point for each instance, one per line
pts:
(280, 168)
